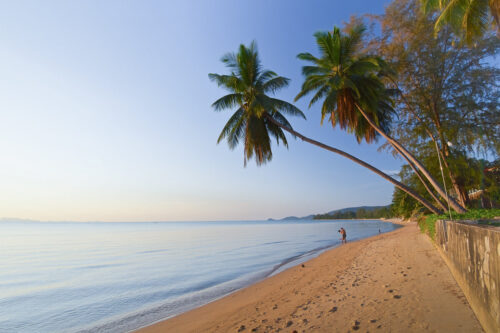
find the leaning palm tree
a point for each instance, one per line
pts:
(471, 17)
(259, 117)
(353, 94)
(249, 85)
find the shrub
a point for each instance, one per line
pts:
(427, 223)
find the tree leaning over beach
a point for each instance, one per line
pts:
(354, 96)
(259, 117)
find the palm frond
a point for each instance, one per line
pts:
(307, 57)
(277, 133)
(286, 107)
(230, 82)
(275, 84)
(228, 102)
(232, 129)
(281, 119)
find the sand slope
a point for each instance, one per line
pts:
(394, 282)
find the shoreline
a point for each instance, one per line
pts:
(385, 281)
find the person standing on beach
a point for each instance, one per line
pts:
(344, 235)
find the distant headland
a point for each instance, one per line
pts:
(359, 212)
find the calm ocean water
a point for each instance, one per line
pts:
(117, 277)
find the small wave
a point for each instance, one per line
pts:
(98, 266)
(297, 259)
(153, 251)
(271, 243)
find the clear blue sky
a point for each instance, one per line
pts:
(105, 113)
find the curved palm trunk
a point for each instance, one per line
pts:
(399, 185)
(436, 199)
(462, 195)
(403, 151)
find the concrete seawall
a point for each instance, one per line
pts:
(472, 252)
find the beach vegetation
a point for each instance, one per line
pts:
(258, 117)
(490, 217)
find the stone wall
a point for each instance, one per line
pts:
(472, 253)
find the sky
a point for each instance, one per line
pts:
(105, 113)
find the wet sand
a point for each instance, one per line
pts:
(394, 282)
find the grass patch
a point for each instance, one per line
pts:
(427, 223)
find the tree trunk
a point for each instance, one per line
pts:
(461, 193)
(399, 185)
(436, 199)
(403, 151)
(412, 111)
(462, 196)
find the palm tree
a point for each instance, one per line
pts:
(472, 17)
(249, 84)
(353, 93)
(259, 117)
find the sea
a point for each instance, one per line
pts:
(118, 277)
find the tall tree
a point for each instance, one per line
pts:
(350, 85)
(472, 18)
(258, 116)
(449, 92)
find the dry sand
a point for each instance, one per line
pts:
(394, 282)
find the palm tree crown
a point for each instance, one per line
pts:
(344, 78)
(471, 17)
(249, 85)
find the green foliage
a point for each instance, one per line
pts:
(404, 205)
(446, 88)
(448, 93)
(472, 18)
(427, 223)
(343, 78)
(249, 86)
(472, 176)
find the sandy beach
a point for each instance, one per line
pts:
(394, 282)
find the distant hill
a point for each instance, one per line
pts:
(355, 209)
(293, 218)
(348, 212)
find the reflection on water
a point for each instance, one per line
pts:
(115, 277)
